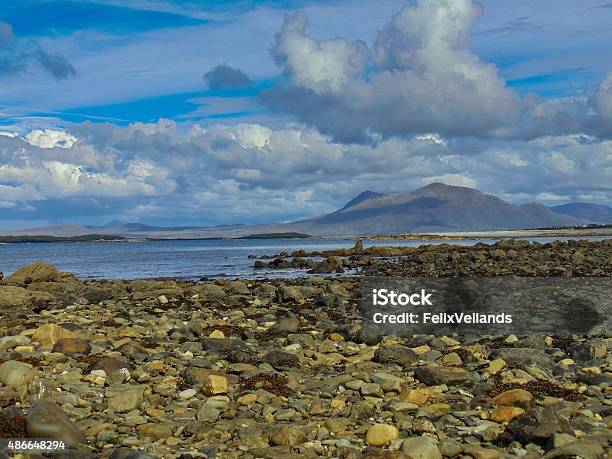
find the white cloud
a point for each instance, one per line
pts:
(418, 77)
(50, 138)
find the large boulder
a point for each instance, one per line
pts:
(37, 272)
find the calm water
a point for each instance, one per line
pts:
(179, 259)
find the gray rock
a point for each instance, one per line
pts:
(421, 448)
(523, 356)
(281, 360)
(536, 426)
(584, 449)
(400, 355)
(435, 375)
(14, 373)
(47, 420)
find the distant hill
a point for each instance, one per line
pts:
(433, 208)
(594, 212)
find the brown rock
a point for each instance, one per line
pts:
(37, 272)
(515, 397)
(154, 431)
(287, 436)
(14, 297)
(70, 346)
(505, 413)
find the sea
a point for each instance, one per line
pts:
(182, 259)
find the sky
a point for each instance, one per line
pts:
(249, 111)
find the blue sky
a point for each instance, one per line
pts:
(87, 67)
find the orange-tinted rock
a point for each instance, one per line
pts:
(515, 397)
(70, 346)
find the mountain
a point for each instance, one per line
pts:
(364, 196)
(434, 208)
(593, 212)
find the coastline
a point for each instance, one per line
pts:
(261, 368)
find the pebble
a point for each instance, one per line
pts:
(421, 448)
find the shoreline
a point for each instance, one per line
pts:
(290, 367)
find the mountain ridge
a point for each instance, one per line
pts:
(436, 207)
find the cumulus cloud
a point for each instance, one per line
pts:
(17, 55)
(225, 77)
(319, 66)
(50, 138)
(160, 172)
(419, 76)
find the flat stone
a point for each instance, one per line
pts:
(421, 448)
(124, 397)
(14, 373)
(47, 420)
(388, 382)
(435, 375)
(48, 334)
(14, 297)
(381, 434)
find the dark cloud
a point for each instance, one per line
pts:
(16, 55)
(225, 77)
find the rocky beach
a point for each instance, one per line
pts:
(285, 368)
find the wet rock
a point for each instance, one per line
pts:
(281, 360)
(381, 434)
(47, 420)
(71, 346)
(536, 426)
(434, 375)
(13, 373)
(95, 295)
(288, 294)
(523, 356)
(232, 350)
(400, 355)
